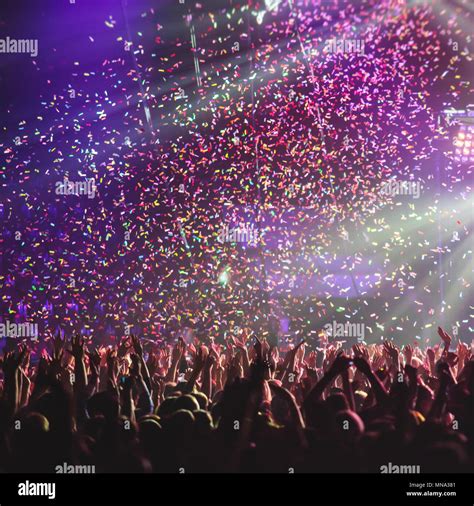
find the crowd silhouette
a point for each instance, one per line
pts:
(239, 406)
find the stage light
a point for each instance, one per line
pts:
(270, 6)
(464, 151)
(463, 123)
(224, 277)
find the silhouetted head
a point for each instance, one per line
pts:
(337, 402)
(187, 402)
(202, 399)
(105, 404)
(349, 426)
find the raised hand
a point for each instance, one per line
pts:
(177, 353)
(192, 349)
(128, 383)
(152, 363)
(112, 365)
(123, 348)
(311, 373)
(377, 362)
(274, 357)
(392, 352)
(362, 365)
(77, 347)
(178, 350)
(259, 371)
(331, 353)
(445, 337)
(311, 360)
(200, 358)
(43, 368)
(210, 361)
(462, 352)
(11, 362)
(58, 344)
(137, 345)
(295, 350)
(265, 348)
(431, 355)
(361, 351)
(158, 385)
(163, 358)
(451, 359)
(411, 372)
(55, 365)
(341, 363)
(258, 348)
(234, 368)
(295, 413)
(135, 366)
(25, 362)
(408, 353)
(95, 358)
(445, 375)
(12, 374)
